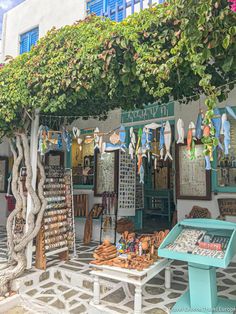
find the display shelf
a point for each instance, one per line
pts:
(56, 235)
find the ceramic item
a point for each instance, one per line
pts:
(162, 141)
(223, 119)
(199, 125)
(180, 131)
(168, 138)
(216, 121)
(226, 130)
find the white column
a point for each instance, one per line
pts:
(96, 291)
(33, 159)
(138, 300)
(167, 277)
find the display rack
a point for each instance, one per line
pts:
(57, 234)
(127, 185)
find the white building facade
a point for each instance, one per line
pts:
(33, 15)
(41, 15)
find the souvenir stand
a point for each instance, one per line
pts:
(56, 235)
(205, 245)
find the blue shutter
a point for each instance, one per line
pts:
(24, 43)
(28, 40)
(95, 6)
(34, 36)
(112, 4)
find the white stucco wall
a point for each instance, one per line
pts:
(44, 13)
(1, 60)
(189, 113)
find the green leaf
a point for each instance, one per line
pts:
(226, 42)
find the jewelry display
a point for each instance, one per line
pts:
(57, 232)
(199, 242)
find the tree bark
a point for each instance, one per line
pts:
(17, 246)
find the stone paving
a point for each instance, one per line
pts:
(66, 287)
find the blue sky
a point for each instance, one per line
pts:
(6, 5)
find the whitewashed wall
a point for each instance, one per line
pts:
(1, 59)
(32, 13)
(189, 113)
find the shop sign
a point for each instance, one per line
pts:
(149, 112)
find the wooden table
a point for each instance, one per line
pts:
(135, 277)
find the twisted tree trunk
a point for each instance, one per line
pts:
(17, 243)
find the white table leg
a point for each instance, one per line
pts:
(96, 291)
(138, 300)
(167, 277)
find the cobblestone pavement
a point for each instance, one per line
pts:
(66, 287)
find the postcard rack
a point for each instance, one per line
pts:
(57, 234)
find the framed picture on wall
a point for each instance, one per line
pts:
(106, 172)
(193, 181)
(3, 174)
(54, 158)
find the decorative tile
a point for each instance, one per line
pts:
(67, 287)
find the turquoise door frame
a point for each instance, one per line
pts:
(164, 195)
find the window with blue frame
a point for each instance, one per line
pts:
(28, 39)
(108, 7)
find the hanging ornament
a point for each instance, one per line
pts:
(131, 150)
(223, 119)
(140, 133)
(67, 138)
(114, 138)
(132, 142)
(97, 139)
(226, 130)
(141, 174)
(162, 141)
(190, 140)
(208, 148)
(139, 159)
(59, 141)
(199, 126)
(122, 138)
(231, 112)
(216, 122)
(168, 140)
(180, 131)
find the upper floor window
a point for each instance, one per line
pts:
(29, 39)
(107, 7)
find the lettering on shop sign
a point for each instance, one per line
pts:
(149, 112)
